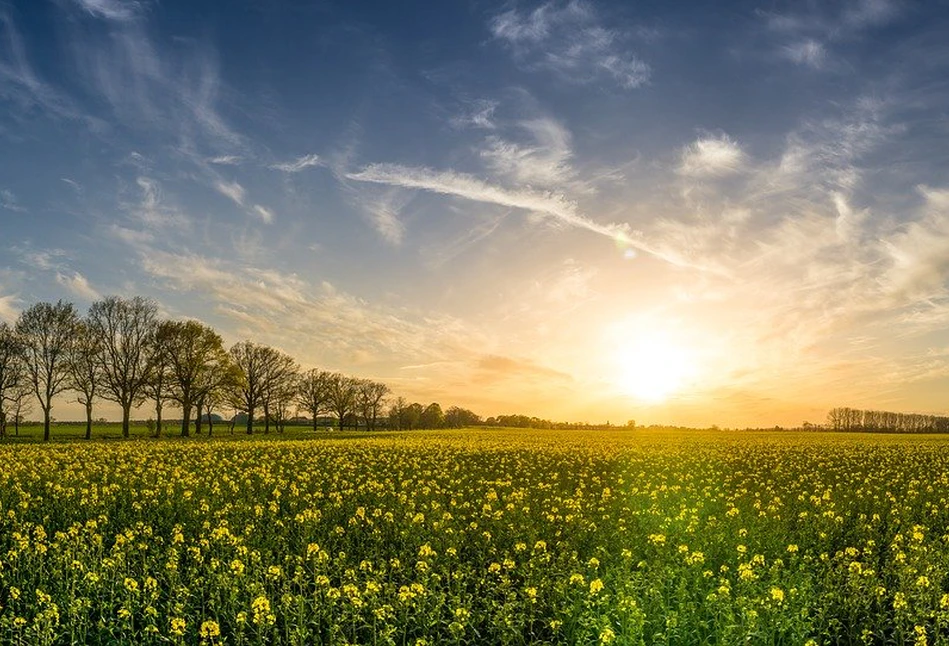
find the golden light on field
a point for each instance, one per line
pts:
(653, 367)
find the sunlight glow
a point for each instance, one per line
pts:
(652, 368)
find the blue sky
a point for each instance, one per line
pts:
(581, 210)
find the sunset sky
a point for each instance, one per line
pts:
(579, 210)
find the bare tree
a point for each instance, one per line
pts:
(159, 385)
(248, 392)
(370, 400)
(12, 378)
(313, 393)
(195, 352)
(46, 332)
(126, 328)
(22, 404)
(217, 384)
(280, 386)
(342, 396)
(85, 370)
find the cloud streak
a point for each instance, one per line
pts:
(299, 164)
(570, 40)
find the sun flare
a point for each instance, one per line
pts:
(652, 368)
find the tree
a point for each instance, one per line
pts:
(456, 417)
(432, 416)
(370, 399)
(412, 415)
(195, 352)
(46, 332)
(12, 378)
(22, 404)
(160, 383)
(280, 376)
(313, 393)
(342, 396)
(261, 371)
(397, 412)
(85, 369)
(217, 384)
(126, 329)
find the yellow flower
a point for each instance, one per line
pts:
(596, 585)
(178, 626)
(607, 635)
(777, 594)
(210, 629)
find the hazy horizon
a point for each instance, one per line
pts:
(683, 214)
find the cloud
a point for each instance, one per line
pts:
(545, 163)
(712, 157)
(570, 40)
(299, 164)
(818, 26)
(20, 84)
(494, 368)
(8, 201)
(119, 10)
(9, 312)
(285, 310)
(471, 188)
(806, 52)
(265, 214)
(481, 115)
(920, 253)
(153, 211)
(231, 190)
(384, 213)
(226, 160)
(78, 285)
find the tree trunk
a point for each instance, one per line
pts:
(126, 415)
(46, 423)
(158, 408)
(197, 420)
(210, 422)
(89, 419)
(266, 418)
(185, 418)
(3, 423)
(250, 420)
(314, 421)
(341, 416)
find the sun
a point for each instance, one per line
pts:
(652, 368)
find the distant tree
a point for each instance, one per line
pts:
(216, 387)
(397, 413)
(432, 416)
(22, 405)
(370, 401)
(12, 376)
(342, 396)
(456, 417)
(126, 328)
(313, 393)
(85, 369)
(193, 353)
(160, 383)
(47, 332)
(262, 374)
(279, 387)
(412, 415)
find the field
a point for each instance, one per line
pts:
(477, 537)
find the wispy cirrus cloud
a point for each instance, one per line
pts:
(299, 164)
(711, 157)
(9, 202)
(265, 214)
(570, 40)
(471, 188)
(811, 30)
(78, 285)
(119, 10)
(231, 190)
(545, 162)
(226, 160)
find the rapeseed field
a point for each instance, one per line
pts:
(478, 537)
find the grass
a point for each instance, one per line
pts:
(477, 536)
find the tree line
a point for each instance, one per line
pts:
(121, 352)
(854, 420)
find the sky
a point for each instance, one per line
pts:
(686, 213)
